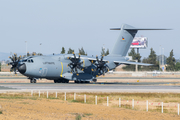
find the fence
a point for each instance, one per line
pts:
(111, 101)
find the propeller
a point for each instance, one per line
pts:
(75, 63)
(101, 65)
(14, 62)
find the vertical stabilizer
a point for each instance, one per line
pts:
(124, 40)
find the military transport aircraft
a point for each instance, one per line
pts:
(78, 68)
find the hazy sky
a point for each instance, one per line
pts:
(86, 23)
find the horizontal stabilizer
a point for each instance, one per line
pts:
(140, 29)
(132, 63)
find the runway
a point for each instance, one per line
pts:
(98, 87)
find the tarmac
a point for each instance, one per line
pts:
(92, 87)
(104, 84)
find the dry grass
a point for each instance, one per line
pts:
(170, 100)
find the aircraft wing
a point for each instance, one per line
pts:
(133, 63)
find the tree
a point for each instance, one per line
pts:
(0, 66)
(63, 50)
(107, 52)
(152, 59)
(135, 56)
(70, 51)
(82, 52)
(103, 52)
(170, 62)
(177, 66)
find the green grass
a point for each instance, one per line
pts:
(52, 98)
(74, 101)
(78, 117)
(87, 114)
(1, 112)
(24, 103)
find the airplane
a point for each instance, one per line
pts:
(63, 68)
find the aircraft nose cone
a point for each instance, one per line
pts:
(22, 68)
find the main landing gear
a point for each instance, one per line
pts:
(78, 81)
(32, 80)
(61, 81)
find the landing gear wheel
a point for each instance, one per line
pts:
(63, 81)
(77, 81)
(67, 81)
(94, 80)
(32, 80)
(55, 81)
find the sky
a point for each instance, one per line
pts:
(85, 23)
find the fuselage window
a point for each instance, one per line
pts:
(24, 60)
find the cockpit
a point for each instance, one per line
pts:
(29, 60)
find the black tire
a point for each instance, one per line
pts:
(77, 81)
(67, 81)
(55, 81)
(34, 80)
(94, 80)
(63, 81)
(31, 81)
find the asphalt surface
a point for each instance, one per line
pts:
(97, 87)
(22, 77)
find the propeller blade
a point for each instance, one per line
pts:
(15, 70)
(76, 70)
(79, 55)
(74, 55)
(102, 58)
(15, 60)
(11, 69)
(97, 59)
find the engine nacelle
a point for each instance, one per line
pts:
(85, 62)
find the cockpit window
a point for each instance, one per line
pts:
(24, 60)
(28, 60)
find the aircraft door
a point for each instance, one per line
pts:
(44, 72)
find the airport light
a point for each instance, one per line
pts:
(163, 57)
(26, 47)
(159, 57)
(40, 48)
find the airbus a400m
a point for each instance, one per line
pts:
(65, 67)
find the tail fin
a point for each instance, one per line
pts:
(126, 36)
